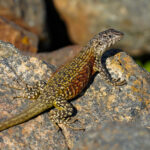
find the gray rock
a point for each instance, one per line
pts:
(115, 136)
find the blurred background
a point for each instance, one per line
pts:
(44, 26)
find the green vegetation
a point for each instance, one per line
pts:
(145, 65)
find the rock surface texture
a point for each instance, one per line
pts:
(18, 36)
(96, 106)
(84, 18)
(31, 13)
(113, 136)
(55, 57)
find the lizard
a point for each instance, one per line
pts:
(67, 82)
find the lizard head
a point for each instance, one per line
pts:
(105, 39)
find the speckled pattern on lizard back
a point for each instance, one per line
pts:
(67, 82)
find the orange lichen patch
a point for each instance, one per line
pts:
(140, 91)
(25, 40)
(128, 62)
(135, 89)
(126, 65)
(146, 100)
(147, 103)
(22, 39)
(136, 83)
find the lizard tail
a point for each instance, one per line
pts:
(33, 110)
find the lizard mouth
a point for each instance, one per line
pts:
(115, 39)
(112, 43)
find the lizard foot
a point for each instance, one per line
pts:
(68, 124)
(118, 82)
(62, 114)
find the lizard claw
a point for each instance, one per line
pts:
(117, 82)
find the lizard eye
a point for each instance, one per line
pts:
(110, 36)
(100, 43)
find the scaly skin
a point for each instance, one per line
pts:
(67, 82)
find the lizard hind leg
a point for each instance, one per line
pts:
(62, 114)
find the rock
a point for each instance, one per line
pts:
(87, 17)
(115, 136)
(98, 104)
(55, 57)
(21, 38)
(31, 13)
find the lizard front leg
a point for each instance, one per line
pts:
(106, 75)
(33, 92)
(29, 92)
